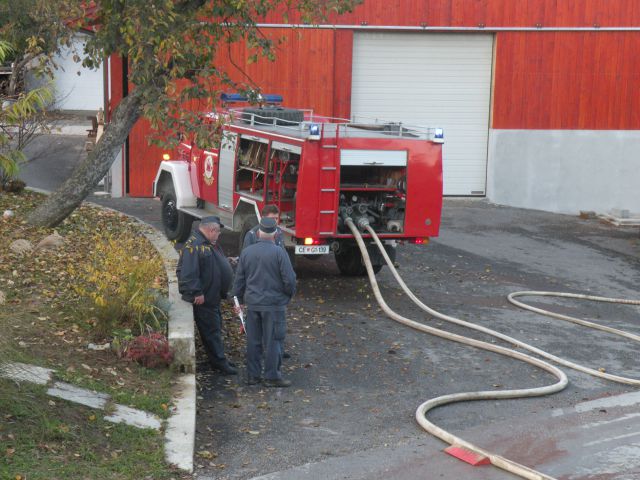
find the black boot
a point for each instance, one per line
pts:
(224, 368)
(276, 383)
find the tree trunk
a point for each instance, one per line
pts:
(15, 75)
(86, 176)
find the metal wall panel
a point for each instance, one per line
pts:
(437, 80)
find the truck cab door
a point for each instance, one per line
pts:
(208, 173)
(228, 146)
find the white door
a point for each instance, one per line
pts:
(432, 79)
(225, 169)
(76, 87)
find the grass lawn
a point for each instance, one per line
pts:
(49, 315)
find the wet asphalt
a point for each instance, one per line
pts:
(358, 377)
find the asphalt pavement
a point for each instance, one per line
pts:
(358, 376)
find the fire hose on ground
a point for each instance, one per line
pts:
(421, 412)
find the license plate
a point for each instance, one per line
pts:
(312, 249)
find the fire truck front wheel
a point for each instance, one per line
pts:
(177, 224)
(349, 261)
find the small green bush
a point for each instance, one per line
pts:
(123, 281)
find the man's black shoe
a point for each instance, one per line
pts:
(277, 383)
(253, 380)
(286, 355)
(225, 369)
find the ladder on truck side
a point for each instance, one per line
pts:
(329, 178)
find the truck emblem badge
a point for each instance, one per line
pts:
(208, 170)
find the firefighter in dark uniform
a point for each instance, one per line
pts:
(269, 211)
(265, 281)
(204, 278)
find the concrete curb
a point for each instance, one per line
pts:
(181, 330)
(181, 426)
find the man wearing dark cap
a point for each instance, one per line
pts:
(265, 281)
(204, 277)
(269, 211)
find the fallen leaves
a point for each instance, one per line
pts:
(206, 454)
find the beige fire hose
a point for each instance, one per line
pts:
(422, 410)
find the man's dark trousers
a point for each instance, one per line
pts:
(270, 326)
(209, 323)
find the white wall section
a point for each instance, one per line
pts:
(565, 171)
(76, 87)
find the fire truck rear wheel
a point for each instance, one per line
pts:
(349, 261)
(177, 224)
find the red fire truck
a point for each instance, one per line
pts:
(317, 170)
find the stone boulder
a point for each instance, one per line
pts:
(21, 246)
(50, 242)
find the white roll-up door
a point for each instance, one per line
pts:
(432, 79)
(76, 87)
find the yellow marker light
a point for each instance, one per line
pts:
(308, 241)
(166, 156)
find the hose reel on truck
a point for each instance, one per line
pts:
(423, 409)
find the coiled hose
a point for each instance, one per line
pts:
(423, 409)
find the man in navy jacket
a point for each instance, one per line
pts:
(204, 277)
(265, 280)
(269, 211)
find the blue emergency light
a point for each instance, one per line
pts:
(314, 131)
(237, 97)
(439, 134)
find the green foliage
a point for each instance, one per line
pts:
(123, 286)
(172, 48)
(41, 441)
(36, 29)
(14, 113)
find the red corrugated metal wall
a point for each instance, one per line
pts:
(115, 73)
(567, 80)
(493, 13)
(542, 80)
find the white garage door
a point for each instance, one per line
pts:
(438, 80)
(77, 88)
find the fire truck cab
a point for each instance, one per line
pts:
(318, 171)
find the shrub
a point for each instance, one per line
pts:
(150, 350)
(123, 281)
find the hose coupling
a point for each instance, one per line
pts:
(362, 222)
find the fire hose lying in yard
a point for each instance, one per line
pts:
(421, 412)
